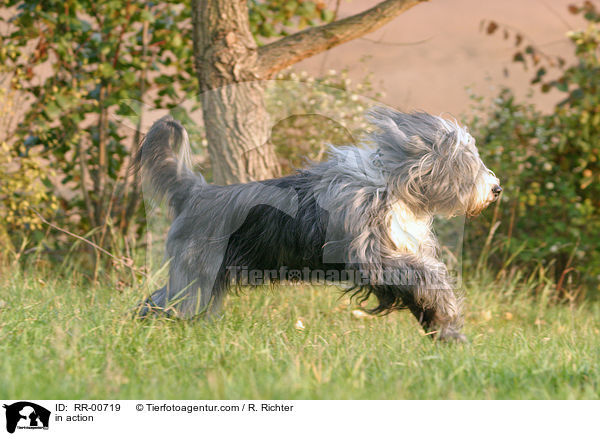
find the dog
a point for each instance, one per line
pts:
(363, 216)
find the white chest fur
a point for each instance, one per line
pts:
(409, 233)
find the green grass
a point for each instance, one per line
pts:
(61, 340)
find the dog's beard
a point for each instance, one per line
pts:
(482, 195)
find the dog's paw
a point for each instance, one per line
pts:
(452, 336)
(149, 310)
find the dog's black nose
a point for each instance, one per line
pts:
(497, 190)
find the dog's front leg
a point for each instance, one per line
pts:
(434, 303)
(424, 287)
(439, 312)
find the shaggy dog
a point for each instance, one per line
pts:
(363, 216)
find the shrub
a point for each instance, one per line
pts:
(23, 181)
(549, 165)
(22, 190)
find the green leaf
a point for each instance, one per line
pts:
(129, 77)
(52, 111)
(327, 15)
(106, 70)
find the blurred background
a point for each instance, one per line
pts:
(431, 54)
(80, 83)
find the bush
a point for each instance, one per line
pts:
(21, 192)
(23, 181)
(548, 163)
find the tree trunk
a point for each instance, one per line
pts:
(230, 68)
(235, 117)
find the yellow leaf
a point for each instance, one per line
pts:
(486, 315)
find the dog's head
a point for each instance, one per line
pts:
(431, 164)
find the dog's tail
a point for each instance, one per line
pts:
(164, 161)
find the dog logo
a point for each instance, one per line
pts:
(26, 415)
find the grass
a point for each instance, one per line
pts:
(61, 340)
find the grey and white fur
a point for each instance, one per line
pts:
(366, 210)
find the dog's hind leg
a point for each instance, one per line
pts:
(154, 305)
(180, 298)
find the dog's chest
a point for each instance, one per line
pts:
(408, 233)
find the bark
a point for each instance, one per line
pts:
(235, 117)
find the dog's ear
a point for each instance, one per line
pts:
(403, 134)
(452, 138)
(446, 175)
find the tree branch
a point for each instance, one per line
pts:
(293, 48)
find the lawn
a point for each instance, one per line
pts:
(64, 340)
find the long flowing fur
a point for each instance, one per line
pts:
(366, 210)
